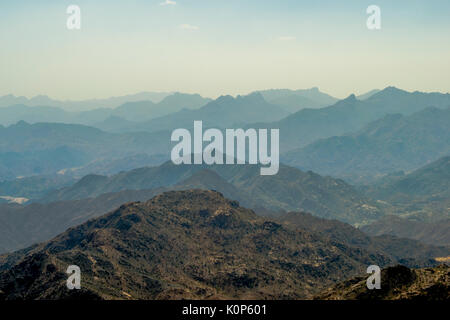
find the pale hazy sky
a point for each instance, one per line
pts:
(215, 47)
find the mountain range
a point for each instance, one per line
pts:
(24, 225)
(129, 112)
(431, 180)
(23, 141)
(46, 148)
(291, 189)
(392, 143)
(295, 100)
(224, 112)
(89, 183)
(184, 244)
(82, 105)
(349, 115)
(421, 195)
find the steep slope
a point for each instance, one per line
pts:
(397, 283)
(185, 244)
(290, 190)
(392, 143)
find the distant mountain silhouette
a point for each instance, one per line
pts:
(295, 100)
(129, 111)
(368, 94)
(146, 110)
(19, 112)
(82, 105)
(224, 112)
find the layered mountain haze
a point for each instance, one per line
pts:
(90, 183)
(82, 105)
(129, 111)
(40, 162)
(224, 112)
(390, 144)
(350, 115)
(140, 111)
(296, 130)
(185, 244)
(432, 180)
(15, 113)
(290, 189)
(243, 151)
(75, 145)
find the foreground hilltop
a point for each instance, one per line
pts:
(183, 244)
(397, 283)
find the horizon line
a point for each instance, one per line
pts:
(170, 92)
